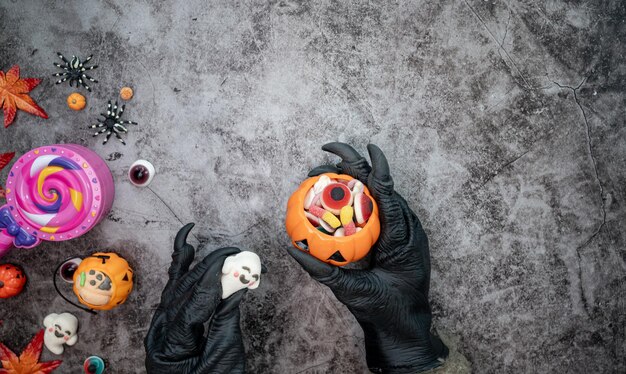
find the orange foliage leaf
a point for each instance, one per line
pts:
(5, 158)
(13, 95)
(28, 361)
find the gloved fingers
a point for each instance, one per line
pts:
(343, 150)
(394, 228)
(340, 281)
(182, 257)
(186, 329)
(153, 337)
(352, 163)
(379, 180)
(224, 336)
(310, 264)
(324, 169)
(190, 279)
(395, 234)
(230, 304)
(418, 240)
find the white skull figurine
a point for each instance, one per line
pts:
(240, 271)
(60, 329)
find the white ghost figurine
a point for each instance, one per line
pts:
(240, 271)
(60, 329)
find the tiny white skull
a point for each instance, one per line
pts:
(240, 271)
(60, 329)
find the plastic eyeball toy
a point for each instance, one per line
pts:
(93, 365)
(141, 173)
(68, 268)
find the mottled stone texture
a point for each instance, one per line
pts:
(503, 123)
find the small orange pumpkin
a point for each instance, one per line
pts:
(335, 250)
(12, 280)
(126, 93)
(103, 281)
(76, 101)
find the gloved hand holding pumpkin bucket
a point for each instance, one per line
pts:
(334, 218)
(390, 299)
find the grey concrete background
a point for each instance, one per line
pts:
(503, 122)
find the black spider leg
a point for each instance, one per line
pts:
(83, 75)
(97, 126)
(117, 135)
(64, 75)
(65, 67)
(107, 138)
(89, 78)
(120, 112)
(114, 112)
(120, 123)
(67, 63)
(82, 68)
(82, 83)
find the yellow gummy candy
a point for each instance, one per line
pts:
(346, 214)
(330, 218)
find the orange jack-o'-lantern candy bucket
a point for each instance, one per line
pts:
(334, 218)
(103, 281)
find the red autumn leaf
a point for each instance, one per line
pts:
(5, 158)
(28, 362)
(13, 95)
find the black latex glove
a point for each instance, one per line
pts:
(390, 300)
(176, 341)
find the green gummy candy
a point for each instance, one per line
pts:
(82, 279)
(321, 229)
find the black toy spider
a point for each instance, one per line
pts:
(75, 71)
(111, 124)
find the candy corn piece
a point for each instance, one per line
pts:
(326, 216)
(346, 215)
(328, 228)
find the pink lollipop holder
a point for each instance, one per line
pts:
(54, 193)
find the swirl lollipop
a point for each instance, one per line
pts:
(54, 193)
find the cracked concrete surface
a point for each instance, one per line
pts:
(503, 123)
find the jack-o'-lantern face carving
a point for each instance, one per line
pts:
(332, 249)
(103, 281)
(95, 287)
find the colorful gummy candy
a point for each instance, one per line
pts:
(337, 207)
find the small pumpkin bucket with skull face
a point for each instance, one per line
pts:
(101, 281)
